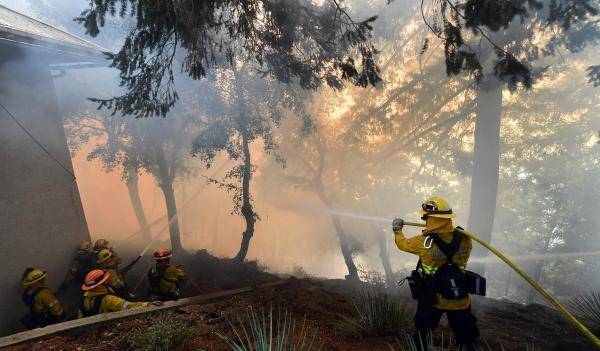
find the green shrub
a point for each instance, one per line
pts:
(164, 332)
(587, 306)
(266, 332)
(378, 314)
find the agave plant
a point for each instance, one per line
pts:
(588, 306)
(378, 314)
(265, 332)
(410, 345)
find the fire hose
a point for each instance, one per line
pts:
(570, 317)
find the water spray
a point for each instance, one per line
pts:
(570, 317)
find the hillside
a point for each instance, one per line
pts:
(326, 305)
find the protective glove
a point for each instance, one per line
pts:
(397, 224)
(157, 303)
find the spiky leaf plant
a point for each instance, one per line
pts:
(409, 345)
(378, 314)
(266, 332)
(587, 306)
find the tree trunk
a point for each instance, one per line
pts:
(382, 238)
(341, 234)
(136, 203)
(166, 184)
(247, 210)
(486, 164)
(345, 247)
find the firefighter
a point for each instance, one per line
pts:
(164, 279)
(99, 297)
(109, 261)
(82, 263)
(101, 244)
(44, 308)
(439, 283)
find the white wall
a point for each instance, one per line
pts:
(41, 217)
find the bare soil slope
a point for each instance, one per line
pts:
(323, 302)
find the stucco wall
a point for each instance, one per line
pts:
(41, 216)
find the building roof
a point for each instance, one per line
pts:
(19, 29)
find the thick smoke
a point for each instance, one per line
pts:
(547, 163)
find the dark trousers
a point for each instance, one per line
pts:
(462, 322)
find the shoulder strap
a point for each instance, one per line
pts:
(449, 249)
(97, 302)
(29, 297)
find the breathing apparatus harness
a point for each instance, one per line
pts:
(449, 281)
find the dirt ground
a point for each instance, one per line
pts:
(323, 303)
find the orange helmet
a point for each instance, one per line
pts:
(94, 279)
(162, 254)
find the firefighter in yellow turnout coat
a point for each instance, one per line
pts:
(164, 279)
(44, 308)
(98, 297)
(432, 305)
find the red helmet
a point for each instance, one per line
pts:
(94, 279)
(162, 254)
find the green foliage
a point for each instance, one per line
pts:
(588, 306)
(266, 332)
(378, 314)
(164, 332)
(290, 40)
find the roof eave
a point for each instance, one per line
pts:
(71, 53)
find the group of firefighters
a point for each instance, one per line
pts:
(441, 284)
(103, 286)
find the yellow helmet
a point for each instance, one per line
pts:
(104, 255)
(85, 246)
(100, 244)
(437, 207)
(33, 275)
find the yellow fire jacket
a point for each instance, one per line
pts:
(116, 280)
(46, 302)
(110, 302)
(170, 281)
(432, 258)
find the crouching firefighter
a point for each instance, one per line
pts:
(81, 264)
(98, 297)
(164, 279)
(44, 308)
(109, 261)
(440, 282)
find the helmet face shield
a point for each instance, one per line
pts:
(436, 207)
(429, 206)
